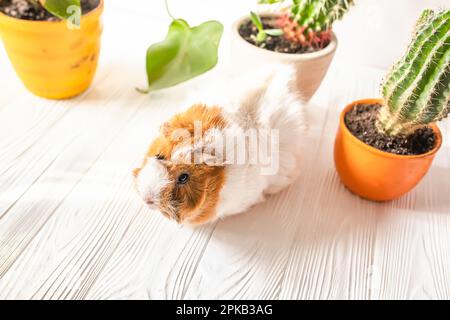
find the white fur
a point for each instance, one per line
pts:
(277, 107)
(151, 180)
(261, 100)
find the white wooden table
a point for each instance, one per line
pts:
(71, 226)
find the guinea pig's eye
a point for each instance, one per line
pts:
(160, 157)
(183, 178)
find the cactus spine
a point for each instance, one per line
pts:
(417, 90)
(319, 15)
(310, 21)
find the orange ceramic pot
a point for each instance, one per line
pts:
(374, 174)
(52, 60)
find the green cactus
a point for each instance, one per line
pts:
(310, 21)
(319, 15)
(316, 15)
(417, 90)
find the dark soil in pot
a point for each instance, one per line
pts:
(361, 121)
(26, 10)
(248, 32)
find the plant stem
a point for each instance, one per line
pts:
(168, 9)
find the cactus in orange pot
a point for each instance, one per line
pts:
(417, 90)
(416, 95)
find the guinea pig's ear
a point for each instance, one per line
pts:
(197, 155)
(213, 159)
(212, 148)
(208, 150)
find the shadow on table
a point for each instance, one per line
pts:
(432, 194)
(312, 221)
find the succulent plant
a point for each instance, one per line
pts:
(417, 90)
(310, 21)
(263, 33)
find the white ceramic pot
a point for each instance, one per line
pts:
(311, 67)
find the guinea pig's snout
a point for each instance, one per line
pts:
(149, 200)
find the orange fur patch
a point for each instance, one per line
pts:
(194, 202)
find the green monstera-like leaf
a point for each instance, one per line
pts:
(64, 9)
(185, 53)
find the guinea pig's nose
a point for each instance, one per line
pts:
(149, 200)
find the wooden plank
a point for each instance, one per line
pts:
(330, 252)
(62, 241)
(412, 256)
(288, 240)
(172, 269)
(72, 227)
(32, 135)
(51, 169)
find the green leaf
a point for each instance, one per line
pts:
(256, 21)
(274, 32)
(186, 52)
(260, 37)
(64, 9)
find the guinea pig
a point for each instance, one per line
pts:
(216, 160)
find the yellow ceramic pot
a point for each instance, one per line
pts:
(52, 60)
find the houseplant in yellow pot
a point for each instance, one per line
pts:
(385, 146)
(301, 36)
(53, 44)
